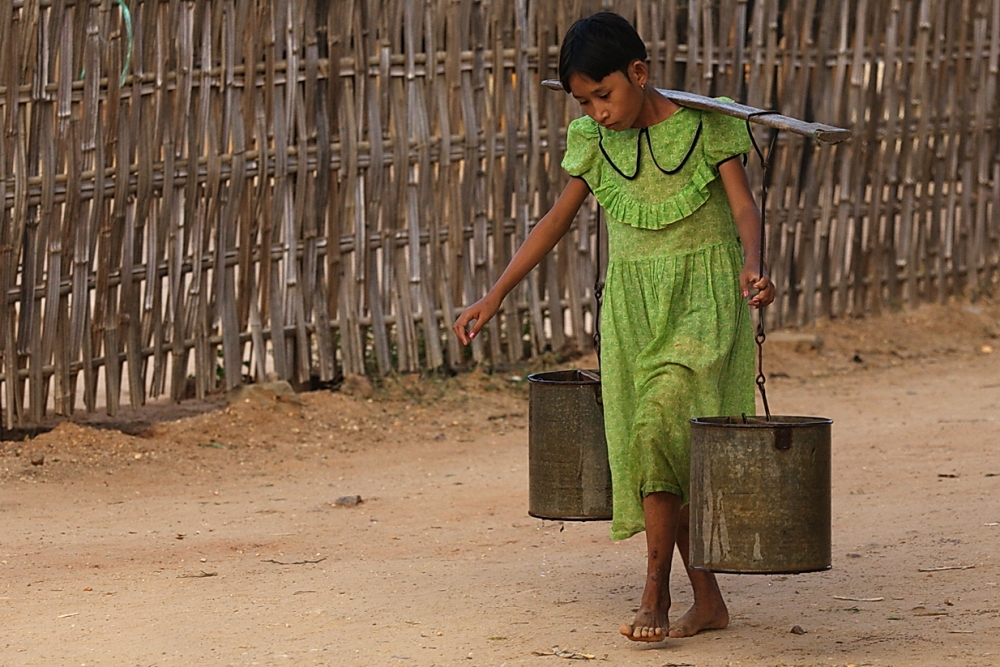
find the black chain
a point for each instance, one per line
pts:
(598, 290)
(765, 182)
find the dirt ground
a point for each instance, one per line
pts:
(211, 533)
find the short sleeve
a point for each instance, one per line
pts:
(583, 155)
(725, 137)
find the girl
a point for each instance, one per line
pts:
(676, 337)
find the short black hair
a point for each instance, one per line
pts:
(598, 45)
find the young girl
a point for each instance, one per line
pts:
(676, 335)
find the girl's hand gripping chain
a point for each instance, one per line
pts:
(750, 279)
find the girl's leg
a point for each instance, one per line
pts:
(709, 610)
(662, 513)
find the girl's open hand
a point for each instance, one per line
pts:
(750, 279)
(479, 313)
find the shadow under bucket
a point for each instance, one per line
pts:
(760, 494)
(568, 474)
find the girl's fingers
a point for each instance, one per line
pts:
(764, 290)
(754, 281)
(460, 327)
(764, 297)
(476, 328)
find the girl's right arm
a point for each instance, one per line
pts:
(552, 227)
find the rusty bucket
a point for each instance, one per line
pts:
(760, 494)
(568, 474)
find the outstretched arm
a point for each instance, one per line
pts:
(747, 216)
(552, 227)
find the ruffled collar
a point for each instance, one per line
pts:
(669, 144)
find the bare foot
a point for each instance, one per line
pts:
(661, 512)
(701, 617)
(648, 627)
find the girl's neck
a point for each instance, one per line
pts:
(656, 108)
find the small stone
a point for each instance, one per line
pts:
(37, 458)
(797, 630)
(348, 501)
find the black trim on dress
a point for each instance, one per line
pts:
(638, 153)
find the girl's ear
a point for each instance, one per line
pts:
(639, 73)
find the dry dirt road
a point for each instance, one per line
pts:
(210, 534)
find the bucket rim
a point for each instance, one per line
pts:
(581, 518)
(735, 570)
(782, 421)
(539, 378)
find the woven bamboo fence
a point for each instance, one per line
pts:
(196, 194)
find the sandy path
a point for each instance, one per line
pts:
(171, 560)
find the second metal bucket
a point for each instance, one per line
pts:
(760, 494)
(568, 474)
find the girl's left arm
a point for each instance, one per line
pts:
(747, 216)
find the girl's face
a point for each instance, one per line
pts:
(615, 101)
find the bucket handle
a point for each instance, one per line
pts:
(596, 379)
(782, 438)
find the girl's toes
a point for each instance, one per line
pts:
(641, 633)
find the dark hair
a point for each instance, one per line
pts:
(598, 45)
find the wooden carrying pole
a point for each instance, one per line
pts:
(823, 133)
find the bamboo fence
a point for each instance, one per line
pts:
(200, 193)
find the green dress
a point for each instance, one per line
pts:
(676, 334)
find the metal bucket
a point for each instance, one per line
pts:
(568, 474)
(760, 494)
